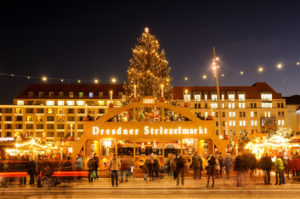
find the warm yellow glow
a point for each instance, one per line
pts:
(241, 72)
(79, 81)
(298, 63)
(217, 58)
(61, 80)
(204, 77)
(260, 69)
(96, 81)
(162, 86)
(146, 29)
(113, 80)
(279, 66)
(223, 75)
(107, 143)
(44, 78)
(186, 91)
(186, 78)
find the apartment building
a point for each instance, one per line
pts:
(53, 111)
(244, 109)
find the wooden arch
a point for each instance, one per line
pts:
(103, 122)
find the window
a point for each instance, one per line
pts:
(70, 103)
(39, 118)
(60, 118)
(100, 94)
(51, 94)
(253, 122)
(267, 114)
(50, 134)
(50, 111)
(29, 118)
(281, 105)
(217, 114)
(266, 105)
(101, 103)
(282, 114)
(30, 102)
(40, 126)
(206, 114)
(232, 114)
(29, 126)
(217, 123)
(50, 118)
(30, 94)
(223, 105)
(266, 97)
(20, 102)
(278, 105)
(19, 118)
(80, 103)
(214, 105)
(197, 97)
(50, 126)
(205, 105)
(80, 94)
(241, 97)
(231, 97)
(71, 94)
(71, 118)
(60, 126)
(279, 114)
(60, 103)
(252, 114)
(187, 97)
(231, 105)
(71, 110)
(60, 134)
(223, 114)
(214, 97)
(205, 97)
(8, 118)
(60, 94)
(233, 123)
(50, 103)
(19, 110)
(91, 95)
(230, 123)
(29, 110)
(241, 105)
(40, 110)
(41, 94)
(222, 97)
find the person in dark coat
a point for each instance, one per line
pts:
(241, 168)
(252, 164)
(211, 170)
(221, 163)
(32, 170)
(180, 162)
(91, 167)
(228, 164)
(67, 166)
(266, 166)
(96, 165)
(197, 166)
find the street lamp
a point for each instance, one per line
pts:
(215, 67)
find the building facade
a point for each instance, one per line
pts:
(293, 112)
(53, 111)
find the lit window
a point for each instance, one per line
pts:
(50, 110)
(266, 96)
(101, 103)
(222, 97)
(241, 123)
(70, 103)
(266, 105)
(269, 114)
(244, 122)
(231, 105)
(279, 122)
(80, 94)
(252, 114)
(230, 114)
(242, 97)
(223, 105)
(230, 123)
(50, 103)
(197, 97)
(91, 94)
(205, 97)
(255, 122)
(187, 97)
(231, 97)
(252, 123)
(71, 94)
(206, 114)
(282, 122)
(233, 123)
(214, 97)
(214, 105)
(241, 105)
(20, 102)
(80, 103)
(60, 103)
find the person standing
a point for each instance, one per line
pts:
(31, 170)
(91, 167)
(156, 166)
(221, 164)
(228, 164)
(114, 167)
(211, 170)
(79, 164)
(173, 166)
(149, 163)
(96, 165)
(241, 167)
(197, 166)
(266, 166)
(279, 168)
(180, 162)
(252, 164)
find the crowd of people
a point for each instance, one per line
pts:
(242, 166)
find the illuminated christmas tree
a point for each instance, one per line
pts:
(148, 72)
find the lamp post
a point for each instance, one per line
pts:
(215, 68)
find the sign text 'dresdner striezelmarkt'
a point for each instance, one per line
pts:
(150, 131)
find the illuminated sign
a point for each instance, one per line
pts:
(148, 100)
(5, 139)
(150, 131)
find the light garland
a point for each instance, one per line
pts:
(31, 143)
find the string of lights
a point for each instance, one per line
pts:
(62, 80)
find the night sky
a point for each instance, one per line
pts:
(65, 39)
